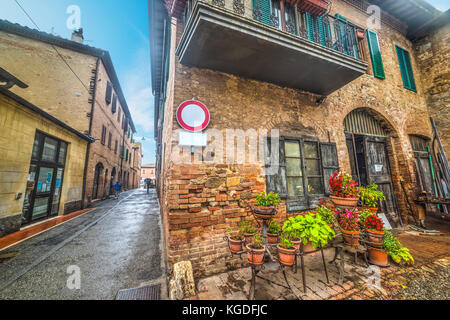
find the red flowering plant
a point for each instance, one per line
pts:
(373, 223)
(343, 186)
(349, 220)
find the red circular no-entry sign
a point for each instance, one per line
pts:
(193, 116)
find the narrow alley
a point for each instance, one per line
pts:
(116, 246)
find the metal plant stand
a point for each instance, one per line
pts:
(301, 253)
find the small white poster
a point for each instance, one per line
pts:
(195, 139)
(387, 225)
(378, 167)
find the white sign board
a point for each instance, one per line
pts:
(387, 225)
(194, 139)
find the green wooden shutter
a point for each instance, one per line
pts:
(322, 31)
(375, 54)
(404, 61)
(310, 25)
(265, 7)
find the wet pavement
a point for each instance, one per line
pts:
(116, 246)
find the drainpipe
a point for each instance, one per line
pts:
(88, 149)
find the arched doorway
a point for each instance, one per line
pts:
(367, 140)
(97, 175)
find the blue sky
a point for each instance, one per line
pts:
(119, 26)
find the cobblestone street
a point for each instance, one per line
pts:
(116, 246)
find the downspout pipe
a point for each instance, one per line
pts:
(88, 149)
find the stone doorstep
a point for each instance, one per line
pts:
(37, 228)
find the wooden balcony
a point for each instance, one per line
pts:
(235, 40)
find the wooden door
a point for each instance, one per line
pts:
(378, 172)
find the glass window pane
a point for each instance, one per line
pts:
(315, 186)
(293, 167)
(312, 167)
(295, 187)
(36, 147)
(292, 149)
(311, 150)
(57, 193)
(40, 208)
(62, 153)
(45, 180)
(50, 147)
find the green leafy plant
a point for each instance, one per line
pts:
(370, 195)
(326, 214)
(285, 242)
(310, 229)
(274, 227)
(363, 216)
(395, 249)
(247, 227)
(257, 243)
(237, 237)
(267, 200)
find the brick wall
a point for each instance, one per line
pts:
(101, 153)
(433, 53)
(198, 202)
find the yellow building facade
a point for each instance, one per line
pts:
(41, 165)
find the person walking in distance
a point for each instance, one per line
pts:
(147, 183)
(117, 189)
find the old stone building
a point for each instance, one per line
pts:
(77, 85)
(343, 89)
(42, 164)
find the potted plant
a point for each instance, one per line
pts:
(315, 232)
(375, 229)
(235, 241)
(344, 190)
(370, 196)
(292, 229)
(326, 214)
(247, 228)
(273, 232)
(286, 251)
(256, 250)
(395, 250)
(349, 223)
(363, 216)
(265, 204)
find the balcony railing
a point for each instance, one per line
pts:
(318, 54)
(333, 32)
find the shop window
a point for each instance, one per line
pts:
(303, 172)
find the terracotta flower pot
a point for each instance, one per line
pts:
(344, 202)
(235, 245)
(373, 210)
(264, 211)
(351, 237)
(255, 256)
(360, 34)
(308, 248)
(272, 238)
(376, 237)
(378, 257)
(287, 256)
(296, 243)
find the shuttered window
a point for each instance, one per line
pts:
(116, 144)
(110, 140)
(304, 168)
(103, 139)
(108, 93)
(265, 7)
(114, 104)
(406, 69)
(375, 54)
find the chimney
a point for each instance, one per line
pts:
(77, 35)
